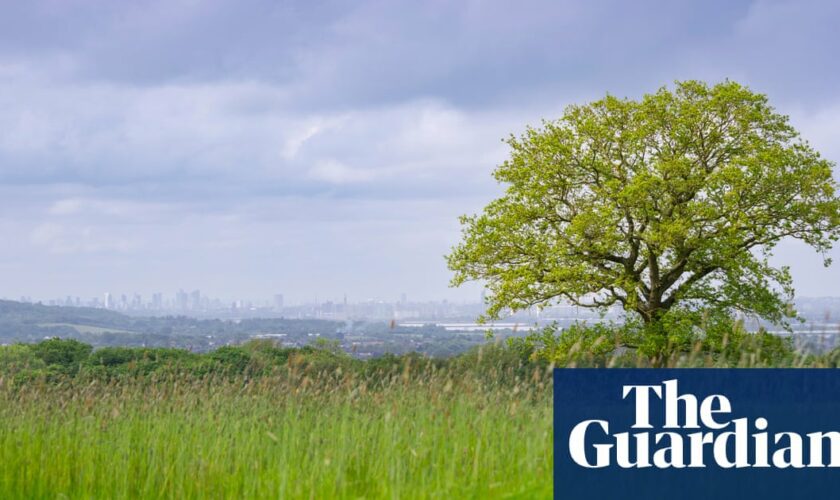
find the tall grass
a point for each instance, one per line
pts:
(259, 421)
(422, 433)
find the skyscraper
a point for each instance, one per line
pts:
(181, 300)
(195, 300)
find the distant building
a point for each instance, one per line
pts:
(195, 300)
(181, 300)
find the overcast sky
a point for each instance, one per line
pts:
(317, 148)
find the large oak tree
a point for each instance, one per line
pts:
(674, 200)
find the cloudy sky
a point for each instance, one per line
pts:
(317, 148)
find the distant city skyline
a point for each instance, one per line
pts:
(194, 299)
(194, 303)
(324, 148)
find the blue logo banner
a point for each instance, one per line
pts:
(696, 433)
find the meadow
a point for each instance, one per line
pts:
(262, 421)
(309, 428)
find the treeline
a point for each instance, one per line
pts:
(56, 360)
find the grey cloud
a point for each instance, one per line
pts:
(339, 54)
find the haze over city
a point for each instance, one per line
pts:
(327, 148)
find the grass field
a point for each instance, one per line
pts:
(96, 330)
(263, 421)
(423, 434)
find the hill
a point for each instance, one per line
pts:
(22, 322)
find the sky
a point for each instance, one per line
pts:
(318, 148)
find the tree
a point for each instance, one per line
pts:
(67, 354)
(673, 201)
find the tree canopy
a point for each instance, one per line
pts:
(672, 201)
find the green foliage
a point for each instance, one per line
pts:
(112, 356)
(688, 338)
(65, 355)
(231, 359)
(691, 338)
(672, 201)
(18, 357)
(712, 335)
(329, 345)
(833, 357)
(580, 344)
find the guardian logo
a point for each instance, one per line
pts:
(696, 433)
(705, 419)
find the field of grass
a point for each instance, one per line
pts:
(95, 330)
(262, 421)
(422, 433)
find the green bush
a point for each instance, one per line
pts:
(266, 355)
(681, 338)
(231, 359)
(19, 356)
(112, 356)
(580, 344)
(65, 354)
